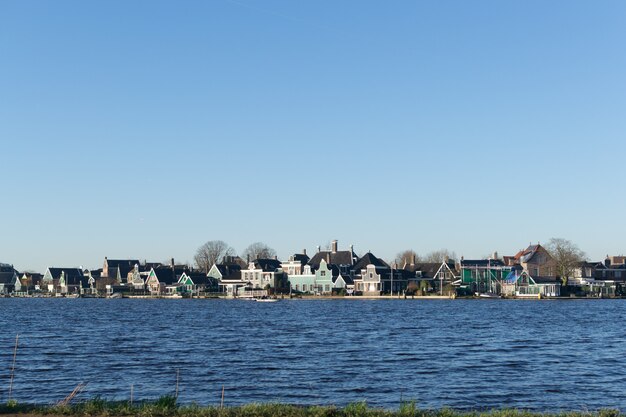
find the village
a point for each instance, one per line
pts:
(332, 272)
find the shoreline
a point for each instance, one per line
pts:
(167, 406)
(317, 297)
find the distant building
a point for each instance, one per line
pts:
(9, 281)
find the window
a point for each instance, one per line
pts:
(323, 273)
(327, 288)
(297, 287)
(304, 287)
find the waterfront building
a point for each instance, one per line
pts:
(265, 273)
(228, 276)
(535, 260)
(64, 280)
(119, 269)
(484, 275)
(373, 276)
(9, 281)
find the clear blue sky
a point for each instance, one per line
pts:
(141, 129)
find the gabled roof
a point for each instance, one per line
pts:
(370, 259)
(229, 271)
(167, 275)
(346, 278)
(267, 265)
(8, 275)
(341, 258)
(123, 265)
(198, 278)
(70, 273)
(527, 254)
(429, 269)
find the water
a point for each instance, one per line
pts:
(463, 354)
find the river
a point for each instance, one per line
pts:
(462, 354)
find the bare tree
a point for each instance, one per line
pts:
(439, 256)
(258, 250)
(407, 257)
(566, 256)
(211, 253)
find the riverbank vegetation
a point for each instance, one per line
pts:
(168, 407)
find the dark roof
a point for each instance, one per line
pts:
(229, 271)
(70, 273)
(7, 274)
(429, 269)
(346, 278)
(302, 257)
(342, 257)
(467, 263)
(167, 275)
(370, 259)
(123, 265)
(199, 278)
(267, 265)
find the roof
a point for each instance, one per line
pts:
(229, 271)
(167, 275)
(526, 255)
(468, 263)
(8, 275)
(370, 259)
(342, 257)
(267, 265)
(123, 265)
(70, 273)
(346, 278)
(429, 269)
(302, 257)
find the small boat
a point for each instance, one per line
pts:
(115, 295)
(488, 295)
(266, 300)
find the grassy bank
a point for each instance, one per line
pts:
(167, 407)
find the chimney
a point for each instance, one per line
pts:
(172, 263)
(495, 255)
(333, 246)
(304, 251)
(318, 248)
(351, 254)
(275, 257)
(327, 257)
(413, 259)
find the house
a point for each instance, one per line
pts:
(159, 278)
(228, 277)
(118, 269)
(9, 281)
(524, 285)
(65, 280)
(535, 260)
(296, 263)
(266, 273)
(30, 282)
(373, 276)
(483, 275)
(343, 284)
(319, 281)
(195, 282)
